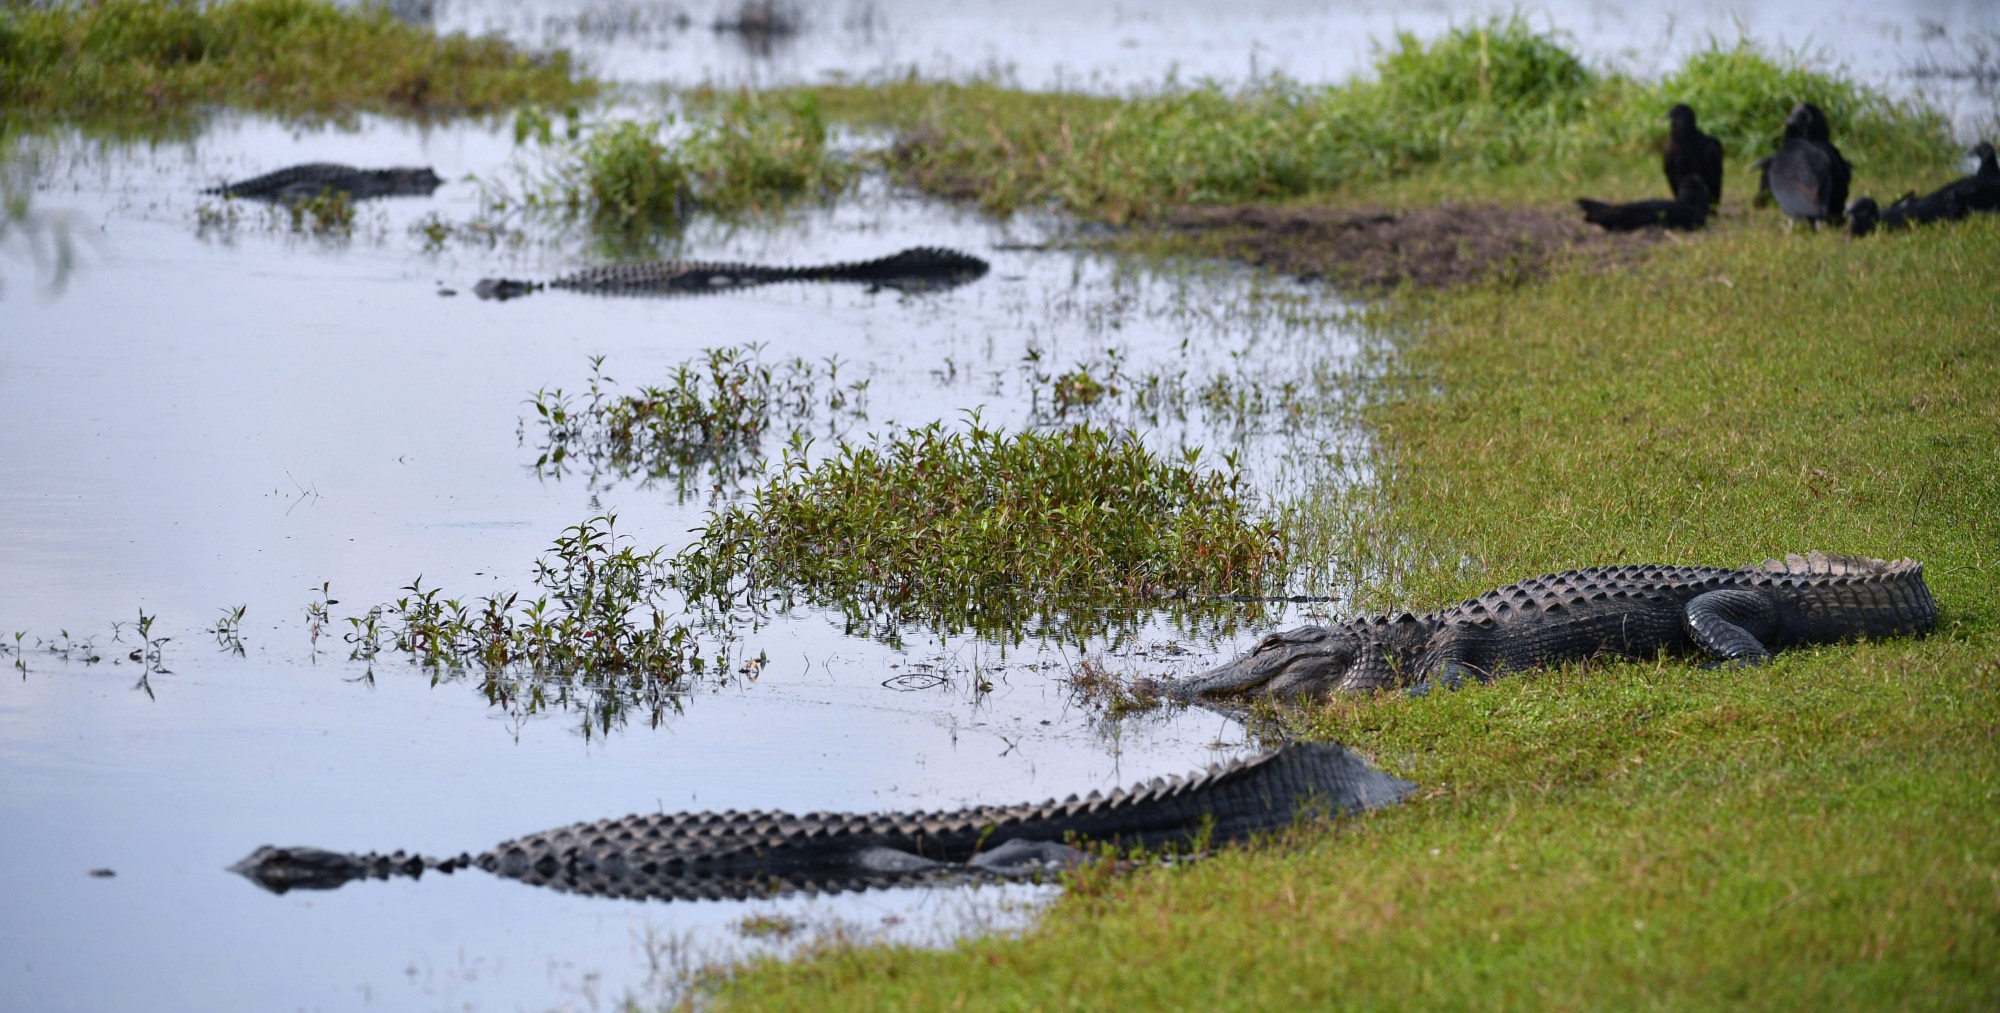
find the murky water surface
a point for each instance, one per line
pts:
(208, 416)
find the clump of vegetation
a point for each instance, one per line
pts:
(135, 63)
(602, 632)
(327, 213)
(754, 153)
(1489, 110)
(705, 425)
(981, 529)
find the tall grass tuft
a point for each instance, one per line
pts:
(1743, 95)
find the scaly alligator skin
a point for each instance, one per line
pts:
(304, 182)
(920, 268)
(688, 856)
(1734, 616)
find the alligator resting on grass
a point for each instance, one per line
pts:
(304, 182)
(917, 269)
(1736, 617)
(691, 856)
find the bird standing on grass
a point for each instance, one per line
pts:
(1690, 152)
(1808, 175)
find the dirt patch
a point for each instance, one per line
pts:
(1427, 247)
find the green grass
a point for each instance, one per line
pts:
(1493, 111)
(1814, 833)
(978, 529)
(746, 155)
(145, 65)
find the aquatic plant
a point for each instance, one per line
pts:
(977, 528)
(142, 65)
(751, 153)
(703, 427)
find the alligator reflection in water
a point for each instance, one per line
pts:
(917, 269)
(690, 856)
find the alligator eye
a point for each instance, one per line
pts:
(1271, 641)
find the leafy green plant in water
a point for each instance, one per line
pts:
(985, 530)
(327, 213)
(753, 153)
(602, 633)
(625, 177)
(229, 630)
(708, 419)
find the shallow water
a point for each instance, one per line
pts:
(201, 418)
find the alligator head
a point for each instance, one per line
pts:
(1310, 662)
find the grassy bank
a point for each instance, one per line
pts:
(1814, 833)
(1498, 111)
(150, 64)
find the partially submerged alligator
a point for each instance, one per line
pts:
(304, 182)
(689, 856)
(1733, 616)
(919, 268)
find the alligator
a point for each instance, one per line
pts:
(1734, 616)
(1689, 152)
(304, 182)
(739, 855)
(919, 268)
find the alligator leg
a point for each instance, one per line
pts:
(1734, 625)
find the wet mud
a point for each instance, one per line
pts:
(1427, 247)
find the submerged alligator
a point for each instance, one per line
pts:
(304, 182)
(690, 856)
(1733, 616)
(917, 269)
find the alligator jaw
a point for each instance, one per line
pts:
(1300, 663)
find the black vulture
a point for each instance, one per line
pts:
(1979, 191)
(1692, 153)
(1689, 210)
(1808, 176)
(1863, 216)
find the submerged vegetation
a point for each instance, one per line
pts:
(1488, 111)
(984, 530)
(134, 64)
